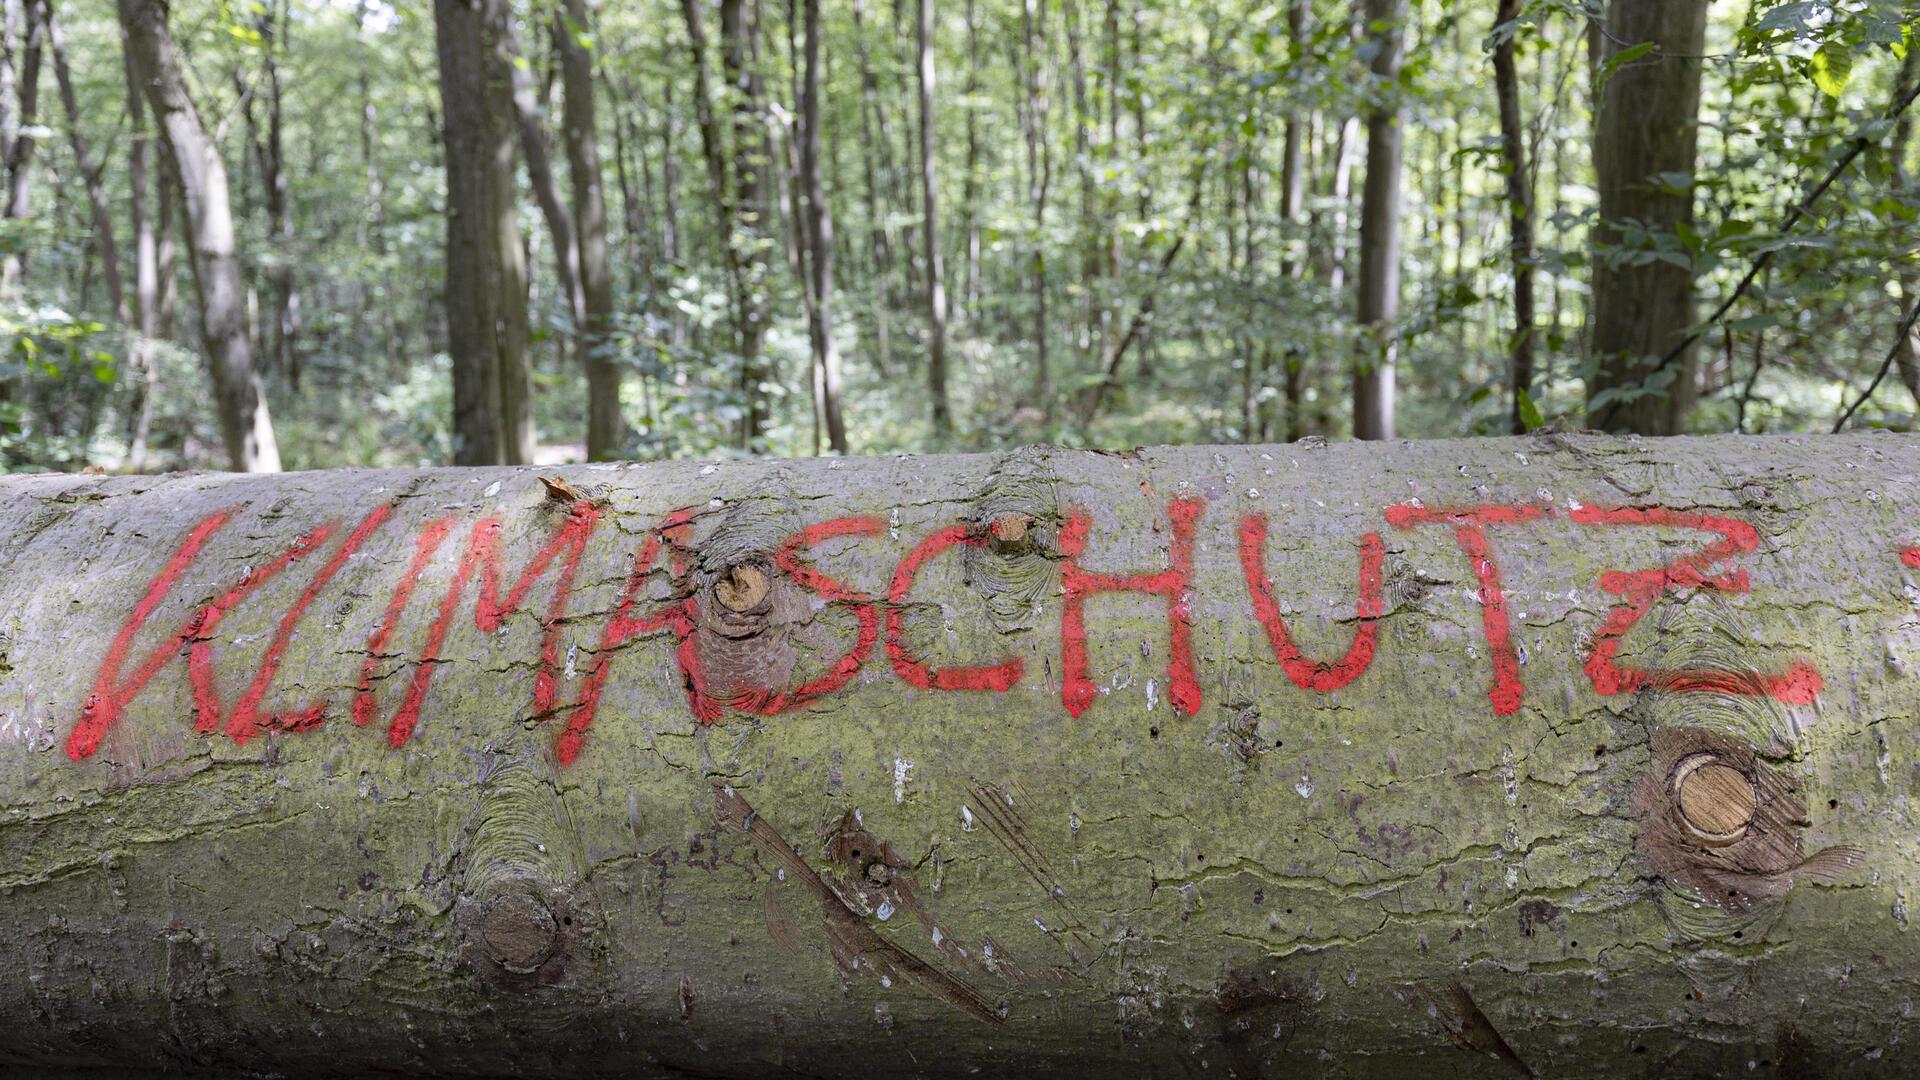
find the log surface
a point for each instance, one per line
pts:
(1564, 755)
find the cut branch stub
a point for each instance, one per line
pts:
(1716, 800)
(1722, 823)
(743, 588)
(519, 932)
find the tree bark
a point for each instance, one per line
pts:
(930, 224)
(1378, 301)
(1139, 784)
(486, 284)
(1293, 243)
(1513, 153)
(32, 16)
(90, 172)
(272, 24)
(751, 162)
(239, 397)
(1039, 178)
(146, 269)
(819, 231)
(1646, 127)
(606, 426)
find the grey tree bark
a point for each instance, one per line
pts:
(930, 225)
(1565, 756)
(819, 245)
(26, 19)
(1378, 299)
(1514, 160)
(1645, 135)
(146, 268)
(606, 425)
(486, 284)
(239, 396)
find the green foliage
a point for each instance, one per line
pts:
(1140, 102)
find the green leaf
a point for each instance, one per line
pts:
(1832, 67)
(1793, 17)
(1753, 322)
(1529, 412)
(1622, 58)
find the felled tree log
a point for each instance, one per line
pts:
(1560, 755)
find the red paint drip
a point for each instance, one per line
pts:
(625, 625)
(1077, 690)
(1470, 533)
(1310, 674)
(999, 677)
(482, 557)
(1639, 590)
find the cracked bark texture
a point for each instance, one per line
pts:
(1383, 879)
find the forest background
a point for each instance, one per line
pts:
(309, 233)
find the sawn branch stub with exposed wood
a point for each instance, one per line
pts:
(1564, 755)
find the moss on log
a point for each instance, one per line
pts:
(1563, 755)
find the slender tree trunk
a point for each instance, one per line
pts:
(875, 135)
(936, 265)
(240, 398)
(19, 157)
(146, 268)
(1646, 126)
(970, 195)
(166, 186)
(527, 111)
(739, 35)
(1907, 355)
(1519, 170)
(819, 223)
(1039, 177)
(637, 206)
(272, 23)
(486, 288)
(1378, 303)
(1293, 242)
(606, 426)
(90, 173)
(371, 227)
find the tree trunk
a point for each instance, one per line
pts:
(239, 397)
(272, 23)
(819, 228)
(751, 158)
(1378, 303)
(1293, 243)
(486, 284)
(876, 132)
(606, 426)
(146, 270)
(90, 173)
(1513, 154)
(277, 793)
(970, 188)
(166, 189)
(1646, 127)
(930, 223)
(33, 16)
(1039, 177)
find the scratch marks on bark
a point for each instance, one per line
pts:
(994, 808)
(855, 944)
